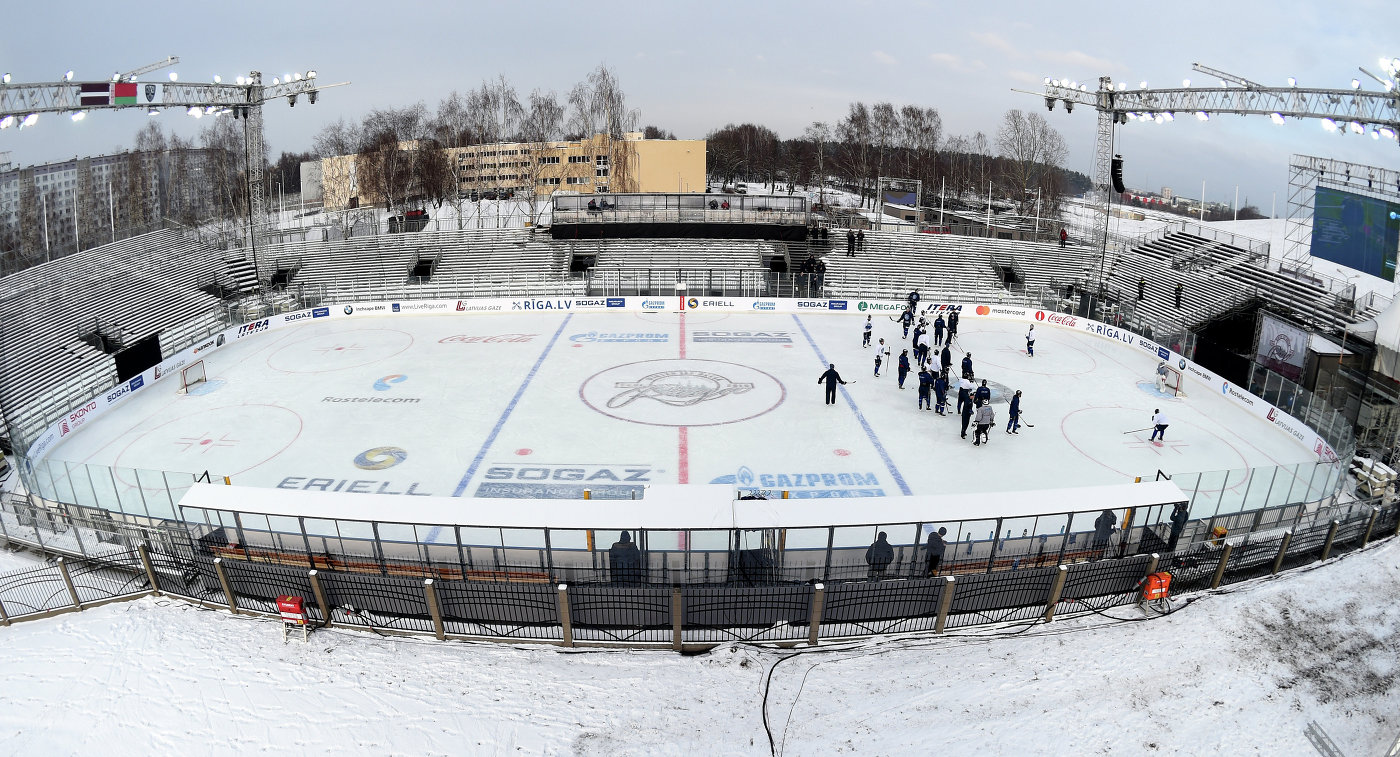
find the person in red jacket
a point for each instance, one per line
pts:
(1064, 236)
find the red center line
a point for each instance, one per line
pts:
(683, 442)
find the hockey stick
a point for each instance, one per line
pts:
(1136, 430)
(1022, 421)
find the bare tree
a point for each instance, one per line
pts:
(819, 134)
(1032, 153)
(855, 134)
(337, 144)
(542, 124)
(921, 131)
(387, 163)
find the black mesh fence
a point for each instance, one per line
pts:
(1191, 568)
(1103, 584)
(118, 575)
(33, 591)
(1000, 597)
(377, 601)
(500, 609)
(632, 614)
(257, 586)
(865, 608)
(767, 613)
(1251, 559)
(1305, 546)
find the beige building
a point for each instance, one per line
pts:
(598, 164)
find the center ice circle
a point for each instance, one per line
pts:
(682, 392)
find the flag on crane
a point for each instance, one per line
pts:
(95, 93)
(124, 93)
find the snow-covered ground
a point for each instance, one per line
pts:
(1236, 672)
(18, 560)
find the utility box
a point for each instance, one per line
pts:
(293, 612)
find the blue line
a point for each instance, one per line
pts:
(505, 415)
(869, 432)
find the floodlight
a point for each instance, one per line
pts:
(292, 100)
(296, 76)
(286, 78)
(1074, 85)
(1122, 86)
(6, 122)
(1387, 132)
(152, 112)
(30, 120)
(1158, 118)
(116, 76)
(1375, 134)
(1276, 117)
(1170, 116)
(1142, 85)
(1050, 104)
(1224, 84)
(5, 78)
(1069, 106)
(1185, 83)
(1047, 80)
(1329, 124)
(1357, 128)
(174, 76)
(311, 74)
(1356, 84)
(275, 82)
(78, 115)
(239, 81)
(1202, 115)
(1292, 82)
(218, 79)
(1083, 88)
(196, 112)
(1053, 82)
(311, 96)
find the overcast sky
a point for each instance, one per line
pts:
(696, 67)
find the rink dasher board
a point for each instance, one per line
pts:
(686, 507)
(1201, 377)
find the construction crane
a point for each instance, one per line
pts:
(1341, 110)
(22, 104)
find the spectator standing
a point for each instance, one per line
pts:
(625, 560)
(936, 548)
(879, 556)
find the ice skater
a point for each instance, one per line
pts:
(986, 418)
(903, 367)
(945, 358)
(869, 328)
(1159, 426)
(882, 355)
(1013, 414)
(925, 388)
(964, 393)
(1030, 341)
(938, 327)
(967, 366)
(832, 378)
(906, 319)
(1162, 377)
(952, 325)
(920, 345)
(940, 390)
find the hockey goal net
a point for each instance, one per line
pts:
(191, 376)
(1172, 383)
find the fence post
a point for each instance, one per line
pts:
(1220, 569)
(150, 569)
(815, 622)
(677, 617)
(430, 594)
(566, 622)
(945, 603)
(1375, 513)
(68, 581)
(1327, 546)
(1282, 549)
(320, 595)
(1057, 587)
(4, 616)
(1397, 526)
(225, 585)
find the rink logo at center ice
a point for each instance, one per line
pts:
(682, 392)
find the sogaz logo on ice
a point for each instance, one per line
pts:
(564, 481)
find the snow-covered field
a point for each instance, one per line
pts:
(1236, 672)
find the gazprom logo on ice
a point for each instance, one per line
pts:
(807, 485)
(764, 306)
(383, 385)
(653, 304)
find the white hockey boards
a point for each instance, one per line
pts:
(191, 376)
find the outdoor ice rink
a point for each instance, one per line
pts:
(548, 404)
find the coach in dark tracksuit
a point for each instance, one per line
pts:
(938, 330)
(832, 378)
(967, 410)
(945, 358)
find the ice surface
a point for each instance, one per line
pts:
(548, 404)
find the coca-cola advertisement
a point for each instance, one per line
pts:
(486, 339)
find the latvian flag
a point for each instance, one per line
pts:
(124, 93)
(96, 93)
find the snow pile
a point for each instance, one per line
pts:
(1241, 671)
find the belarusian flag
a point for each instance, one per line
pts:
(124, 93)
(96, 93)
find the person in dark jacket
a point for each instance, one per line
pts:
(925, 389)
(936, 547)
(832, 378)
(945, 358)
(967, 367)
(964, 395)
(879, 556)
(967, 410)
(940, 390)
(860, 239)
(625, 560)
(938, 326)
(1179, 515)
(903, 367)
(850, 243)
(983, 395)
(1103, 528)
(1013, 423)
(952, 324)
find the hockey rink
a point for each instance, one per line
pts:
(550, 404)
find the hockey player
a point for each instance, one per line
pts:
(882, 356)
(967, 366)
(952, 325)
(1162, 377)
(869, 328)
(832, 378)
(966, 410)
(938, 326)
(903, 367)
(940, 390)
(920, 346)
(1159, 426)
(964, 394)
(945, 358)
(1013, 423)
(906, 319)
(925, 389)
(986, 418)
(1030, 341)
(982, 395)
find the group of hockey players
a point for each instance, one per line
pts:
(934, 370)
